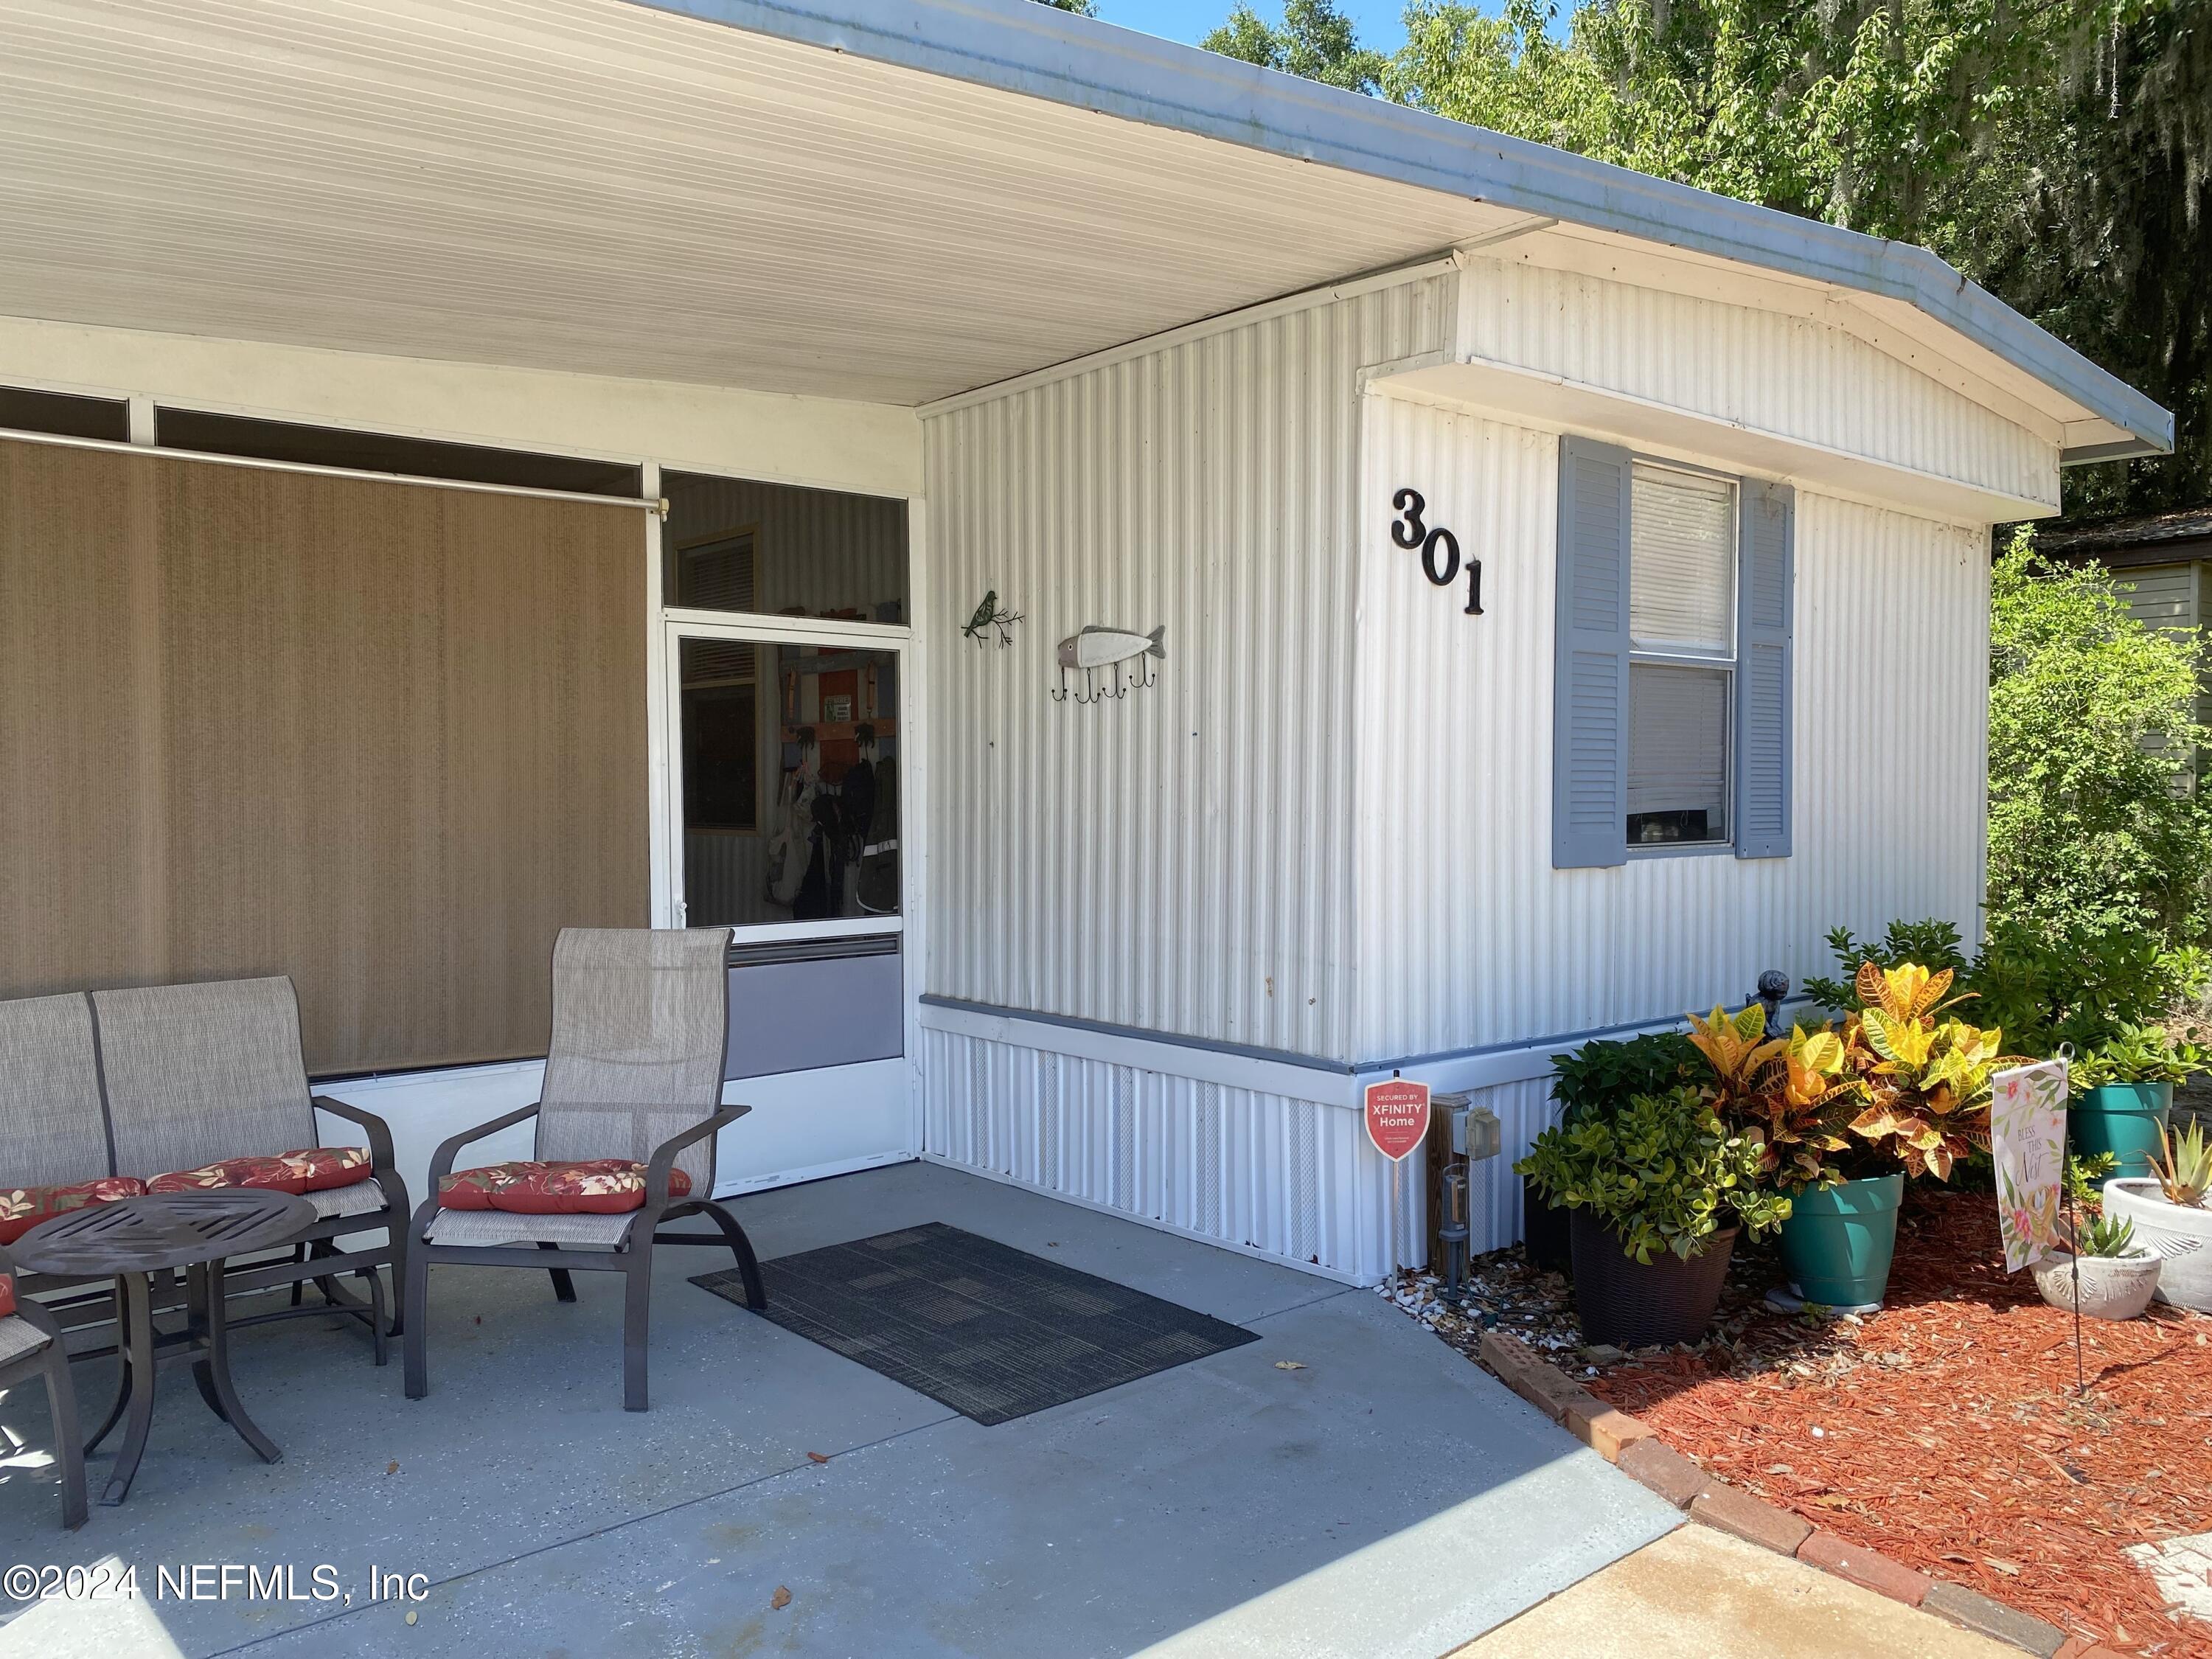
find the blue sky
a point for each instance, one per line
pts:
(1186, 20)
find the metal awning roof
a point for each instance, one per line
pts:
(888, 200)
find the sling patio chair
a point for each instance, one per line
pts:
(206, 1087)
(31, 1346)
(105, 1095)
(55, 1157)
(625, 1121)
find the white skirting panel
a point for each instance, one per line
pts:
(1271, 1174)
(1523, 1109)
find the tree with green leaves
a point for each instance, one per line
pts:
(2095, 829)
(1314, 41)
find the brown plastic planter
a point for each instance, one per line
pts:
(1624, 1303)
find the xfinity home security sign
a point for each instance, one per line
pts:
(1397, 1116)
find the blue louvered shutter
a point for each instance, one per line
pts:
(1589, 691)
(1763, 671)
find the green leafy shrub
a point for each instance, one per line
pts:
(2086, 1176)
(1604, 1075)
(1934, 944)
(2083, 986)
(2094, 832)
(1663, 1172)
(2136, 1054)
(2088, 989)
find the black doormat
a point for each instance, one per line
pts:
(993, 1332)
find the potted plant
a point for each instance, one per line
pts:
(2169, 1211)
(1658, 1190)
(1795, 1098)
(2115, 1276)
(1843, 1118)
(1597, 1079)
(2123, 1095)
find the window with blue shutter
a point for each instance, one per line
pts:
(1671, 707)
(1763, 675)
(1590, 714)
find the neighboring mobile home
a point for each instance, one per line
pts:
(2158, 561)
(1527, 599)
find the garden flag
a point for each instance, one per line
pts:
(2028, 1140)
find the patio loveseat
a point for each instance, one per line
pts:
(109, 1094)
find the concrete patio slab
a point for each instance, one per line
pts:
(1384, 1498)
(1697, 1592)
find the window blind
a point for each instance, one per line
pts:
(1682, 557)
(384, 738)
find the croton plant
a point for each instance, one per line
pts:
(1789, 1095)
(1928, 1079)
(1906, 1083)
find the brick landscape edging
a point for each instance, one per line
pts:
(1631, 1444)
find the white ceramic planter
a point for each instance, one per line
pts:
(2113, 1287)
(2182, 1236)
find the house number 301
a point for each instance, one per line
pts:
(1439, 548)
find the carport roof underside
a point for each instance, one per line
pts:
(886, 200)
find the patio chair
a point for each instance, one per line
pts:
(206, 1087)
(633, 1087)
(31, 1346)
(55, 1157)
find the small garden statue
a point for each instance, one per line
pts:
(1773, 986)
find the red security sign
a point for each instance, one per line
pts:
(1397, 1116)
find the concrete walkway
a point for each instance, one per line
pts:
(1384, 1499)
(1697, 1593)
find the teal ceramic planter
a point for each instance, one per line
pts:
(1837, 1244)
(2124, 1119)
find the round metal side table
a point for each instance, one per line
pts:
(133, 1237)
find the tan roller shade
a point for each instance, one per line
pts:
(383, 737)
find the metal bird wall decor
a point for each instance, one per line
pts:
(1096, 648)
(988, 615)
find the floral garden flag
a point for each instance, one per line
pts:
(2027, 1135)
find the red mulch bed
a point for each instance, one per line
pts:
(1945, 1432)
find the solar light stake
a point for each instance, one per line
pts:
(1453, 1234)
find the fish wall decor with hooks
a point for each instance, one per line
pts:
(1095, 649)
(991, 614)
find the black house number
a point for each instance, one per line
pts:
(1439, 548)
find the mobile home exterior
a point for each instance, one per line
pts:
(556, 492)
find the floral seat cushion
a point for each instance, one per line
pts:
(22, 1208)
(601, 1186)
(310, 1171)
(6, 1295)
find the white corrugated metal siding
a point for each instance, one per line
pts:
(1790, 376)
(1179, 860)
(1291, 1178)
(1325, 831)
(1467, 936)
(1493, 1198)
